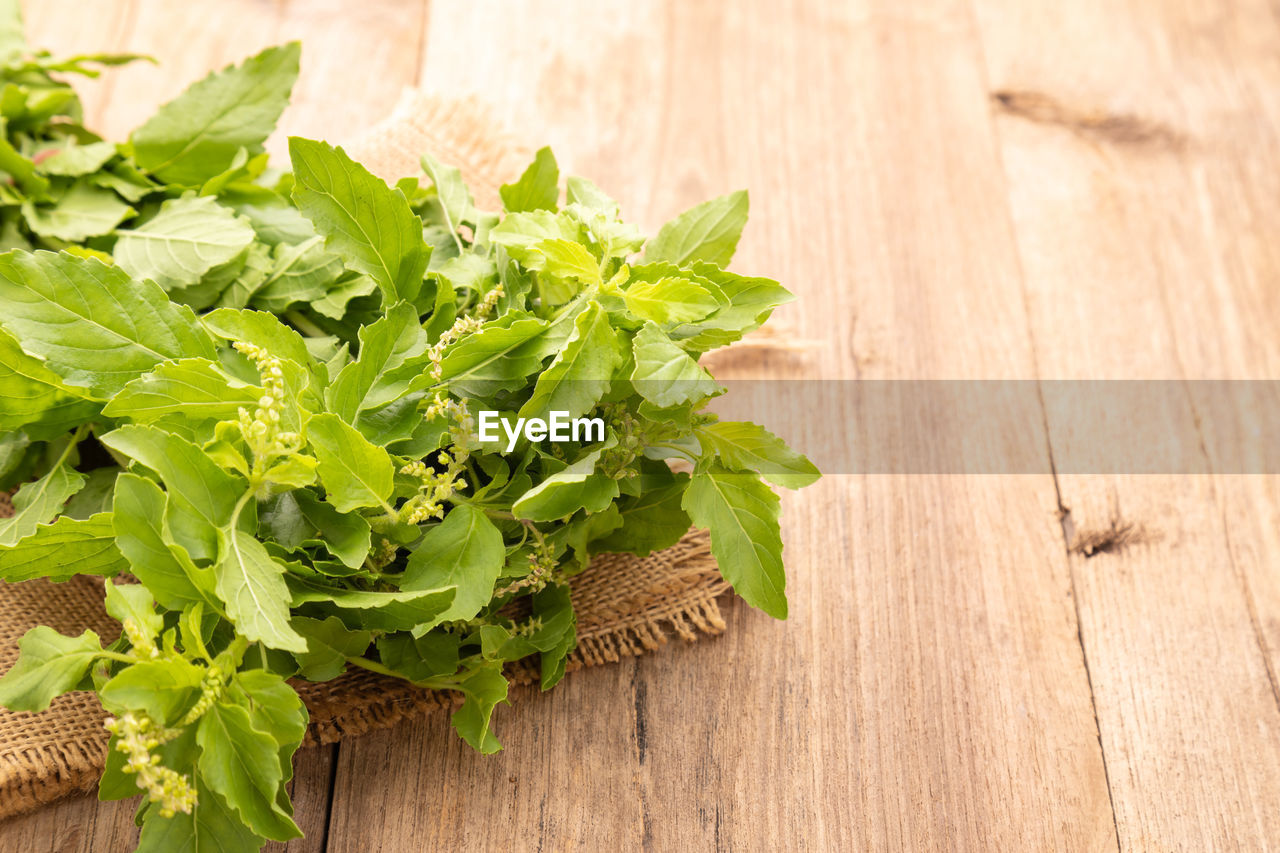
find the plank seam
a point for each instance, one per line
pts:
(1064, 512)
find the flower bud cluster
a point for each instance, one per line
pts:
(615, 461)
(211, 688)
(541, 572)
(143, 647)
(436, 487)
(384, 553)
(462, 326)
(261, 430)
(136, 736)
(462, 427)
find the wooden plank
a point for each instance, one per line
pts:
(929, 689)
(1136, 145)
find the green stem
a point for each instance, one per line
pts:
(373, 666)
(304, 325)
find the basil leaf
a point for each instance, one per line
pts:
(354, 472)
(363, 220)
(49, 664)
(201, 494)
(464, 551)
(182, 243)
(251, 582)
(742, 514)
(705, 232)
(197, 135)
(537, 189)
(63, 549)
(580, 374)
(745, 446)
(94, 326)
(239, 762)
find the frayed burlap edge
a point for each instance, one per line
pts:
(626, 606)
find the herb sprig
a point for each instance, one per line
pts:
(256, 393)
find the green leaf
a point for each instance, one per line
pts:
(49, 664)
(566, 266)
(705, 232)
(576, 487)
(63, 549)
(163, 689)
(405, 610)
(751, 300)
(385, 345)
(71, 159)
(335, 301)
(557, 636)
(251, 582)
(34, 398)
(744, 446)
(451, 191)
(136, 604)
(163, 566)
(537, 189)
(275, 708)
(95, 497)
(261, 329)
(197, 389)
(496, 357)
(420, 658)
(582, 371)
(187, 239)
(579, 190)
(742, 514)
(20, 168)
(346, 535)
(94, 326)
(329, 644)
(363, 220)
(519, 233)
(354, 472)
(464, 551)
(197, 135)
(201, 495)
(301, 273)
(664, 374)
(483, 688)
(650, 521)
(212, 827)
(669, 300)
(84, 212)
(239, 762)
(38, 502)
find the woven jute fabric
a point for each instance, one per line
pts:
(625, 605)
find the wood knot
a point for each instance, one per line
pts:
(1115, 128)
(1116, 537)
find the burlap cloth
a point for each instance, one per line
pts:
(625, 606)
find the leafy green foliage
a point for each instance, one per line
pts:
(258, 396)
(369, 224)
(197, 135)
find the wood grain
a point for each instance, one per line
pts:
(1128, 160)
(955, 190)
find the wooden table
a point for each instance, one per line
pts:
(956, 190)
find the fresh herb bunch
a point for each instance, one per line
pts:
(256, 394)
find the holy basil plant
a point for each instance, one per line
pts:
(253, 402)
